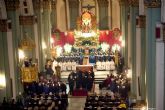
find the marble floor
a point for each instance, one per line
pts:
(76, 103)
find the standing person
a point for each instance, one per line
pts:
(71, 82)
(58, 71)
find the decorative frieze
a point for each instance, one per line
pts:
(3, 25)
(141, 21)
(12, 5)
(152, 3)
(26, 20)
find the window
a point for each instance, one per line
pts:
(25, 3)
(26, 10)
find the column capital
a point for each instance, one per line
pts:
(152, 4)
(27, 20)
(12, 5)
(46, 4)
(38, 4)
(53, 4)
(133, 3)
(3, 25)
(141, 21)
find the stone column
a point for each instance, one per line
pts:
(124, 28)
(53, 14)
(142, 38)
(133, 14)
(103, 14)
(163, 23)
(12, 7)
(68, 15)
(38, 10)
(74, 13)
(97, 11)
(110, 14)
(152, 17)
(47, 27)
(5, 91)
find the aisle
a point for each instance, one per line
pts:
(76, 103)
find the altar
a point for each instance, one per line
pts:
(84, 68)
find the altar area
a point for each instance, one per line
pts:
(86, 45)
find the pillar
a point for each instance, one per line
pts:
(5, 84)
(133, 15)
(53, 14)
(152, 17)
(103, 14)
(12, 7)
(142, 59)
(124, 29)
(47, 27)
(38, 10)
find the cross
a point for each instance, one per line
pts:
(89, 7)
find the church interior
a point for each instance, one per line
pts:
(82, 54)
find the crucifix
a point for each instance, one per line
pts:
(89, 7)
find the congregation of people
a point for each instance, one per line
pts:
(81, 80)
(118, 83)
(109, 101)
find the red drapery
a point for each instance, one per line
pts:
(68, 37)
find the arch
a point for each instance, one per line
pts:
(3, 13)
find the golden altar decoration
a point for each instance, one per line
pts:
(29, 74)
(86, 34)
(27, 43)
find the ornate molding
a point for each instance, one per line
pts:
(141, 21)
(152, 3)
(46, 4)
(38, 4)
(12, 5)
(26, 20)
(53, 4)
(3, 25)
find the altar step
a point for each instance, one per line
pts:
(99, 76)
